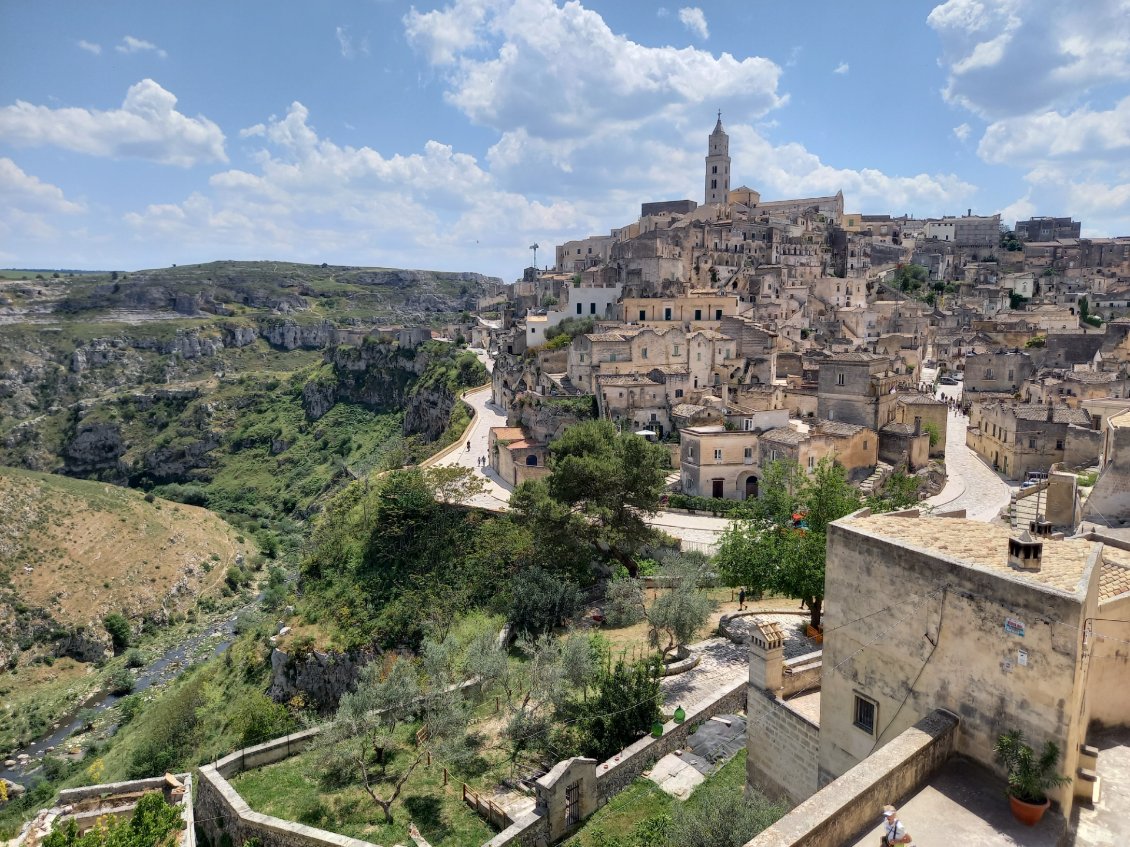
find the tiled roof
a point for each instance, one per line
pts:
(687, 410)
(837, 428)
(980, 545)
(918, 399)
(856, 356)
(895, 428)
(1060, 414)
(624, 379)
(1114, 577)
(784, 435)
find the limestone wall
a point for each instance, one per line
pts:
(845, 809)
(617, 773)
(783, 748)
(530, 830)
(320, 677)
(1108, 683)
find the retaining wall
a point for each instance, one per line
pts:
(618, 772)
(844, 810)
(784, 748)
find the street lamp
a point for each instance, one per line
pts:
(534, 247)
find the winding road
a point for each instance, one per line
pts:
(698, 531)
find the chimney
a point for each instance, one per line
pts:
(1024, 552)
(767, 656)
(917, 424)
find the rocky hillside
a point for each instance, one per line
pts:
(73, 552)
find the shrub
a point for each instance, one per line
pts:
(236, 577)
(623, 602)
(258, 718)
(541, 601)
(120, 682)
(119, 629)
(135, 658)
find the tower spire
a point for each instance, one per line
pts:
(718, 165)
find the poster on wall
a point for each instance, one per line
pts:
(1014, 627)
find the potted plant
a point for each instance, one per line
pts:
(1029, 776)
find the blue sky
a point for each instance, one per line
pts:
(454, 135)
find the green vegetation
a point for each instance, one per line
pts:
(714, 505)
(1010, 242)
(718, 814)
(562, 335)
(1030, 775)
(935, 434)
(152, 824)
(118, 626)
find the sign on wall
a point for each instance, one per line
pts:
(1014, 627)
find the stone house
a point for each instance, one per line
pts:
(692, 309)
(513, 457)
(914, 406)
(992, 627)
(720, 462)
(1016, 438)
(1074, 387)
(854, 447)
(1002, 370)
(858, 388)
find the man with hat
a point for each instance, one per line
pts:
(895, 831)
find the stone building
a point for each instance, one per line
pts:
(720, 462)
(912, 407)
(858, 388)
(1002, 370)
(1047, 229)
(513, 456)
(1016, 438)
(1109, 501)
(717, 166)
(854, 447)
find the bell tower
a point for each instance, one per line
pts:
(718, 165)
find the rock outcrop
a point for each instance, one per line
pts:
(320, 678)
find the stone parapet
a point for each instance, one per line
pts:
(846, 808)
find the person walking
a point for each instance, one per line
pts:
(468, 446)
(741, 600)
(895, 832)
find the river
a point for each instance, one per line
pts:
(168, 666)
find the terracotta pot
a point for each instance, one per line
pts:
(1027, 813)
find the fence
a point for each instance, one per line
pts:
(486, 808)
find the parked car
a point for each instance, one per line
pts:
(947, 380)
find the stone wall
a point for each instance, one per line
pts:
(783, 748)
(847, 808)
(1108, 682)
(617, 773)
(530, 830)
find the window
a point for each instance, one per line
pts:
(717, 314)
(1031, 443)
(1010, 373)
(592, 308)
(718, 455)
(698, 314)
(1059, 444)
(713, 183)
(811, 462)
(747, 454)
(714, 169)
(864, 715)
(678, 393)
(643, 315)
(643, 352)
(676, 353)
(578, 308)
(747, 424)
(839, 379)
(988, 373)
(865, 444)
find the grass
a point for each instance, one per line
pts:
(291, 790)
(644, 799)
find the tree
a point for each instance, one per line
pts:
(624, 707)
(676, 615)
(623, 601)
(900, 491)
(119, 629)
(715, 817)
(601, 486)
(362, 729)
(772, 552)
(541, 601)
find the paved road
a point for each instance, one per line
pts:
(700, 531)
(971, 484)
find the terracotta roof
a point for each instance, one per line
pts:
(505, 433)
(1114, 577)
(980, 545)
(784, 435)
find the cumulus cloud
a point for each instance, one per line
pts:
(841, 68)
(961, 131)
(147, 126)
(129, 44)
(695, 21)
(1011, 57)
(1083, 133)
(27, 193)
(349, 48)
(90, 46)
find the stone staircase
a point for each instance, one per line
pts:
(877, 478)
(1026, 504)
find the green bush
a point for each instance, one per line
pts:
(119, 629)
(152, 824)
(120, 682)
(135, 658)
(541, 601)
(714, 505)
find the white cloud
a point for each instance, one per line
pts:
(1082, 134)
(130, 44)
(1018, 210)
(147, 126)
(695, 21)
(350, 49)
(662, 12)
(841, 68)
(1011, 57)
(90, 46)
(27, 193)
(961, 131)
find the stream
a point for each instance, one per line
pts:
(196, 648)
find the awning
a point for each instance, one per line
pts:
(646, 433)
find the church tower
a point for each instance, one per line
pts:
(718, 165)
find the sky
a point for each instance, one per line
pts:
(453, 136)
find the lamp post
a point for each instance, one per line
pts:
(534, 247)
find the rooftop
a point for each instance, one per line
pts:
(979, 545)
(507, 433)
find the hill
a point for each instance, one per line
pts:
(74, 551)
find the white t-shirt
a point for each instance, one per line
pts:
(895, 831)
